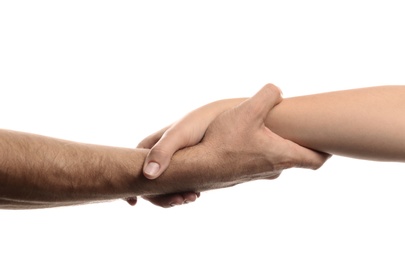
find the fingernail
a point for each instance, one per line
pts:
(152, 168)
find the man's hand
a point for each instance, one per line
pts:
(239, 147)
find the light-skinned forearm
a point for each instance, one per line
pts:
(366, 123)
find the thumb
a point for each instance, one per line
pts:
(263, 101)
(158, 158)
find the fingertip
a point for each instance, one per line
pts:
(275, 93)
(190, 197)
(131, 201)
(176, 201)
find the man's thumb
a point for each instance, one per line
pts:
(263, 101)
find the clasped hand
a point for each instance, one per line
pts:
(229, 144)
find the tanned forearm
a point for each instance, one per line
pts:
(41, 172)
(366, 123)
(38, 171)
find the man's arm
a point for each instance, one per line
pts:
(41, 172)
(38, 171)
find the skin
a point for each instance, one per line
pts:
(366, 123)
(38, 171)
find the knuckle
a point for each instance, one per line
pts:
(158, 152)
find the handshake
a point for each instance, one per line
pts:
(219, 145)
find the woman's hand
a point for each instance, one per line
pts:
(186, 132)
(163, 144)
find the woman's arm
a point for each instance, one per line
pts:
(366, 123)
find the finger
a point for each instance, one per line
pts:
(158, 158)
(131, 200)
(152, 139)
(171, 200)
(307, 158)
(190, 197)
(165, 201)
(273, 177)
(262, 102)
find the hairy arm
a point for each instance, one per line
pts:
(41, 172)
(38, 171)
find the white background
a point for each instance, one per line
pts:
(112, 72)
